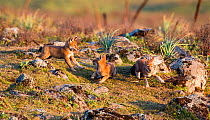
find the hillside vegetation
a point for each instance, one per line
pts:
(44, 22)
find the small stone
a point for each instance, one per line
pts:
(193, 103)
(101, 89)
(91, 97)
(25, 80)
(59, 73)
(116, 106)
(13, 118)
(181, 92)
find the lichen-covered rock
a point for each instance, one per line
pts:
(88, 52)
(140, 32)
(193, 103)
(192, 73)
(59, 73)
(13, 30)
(109, 114)
(41, 63)
(25, 80)
(180, 52)
(77, 95)
(133, 55)
(18, 93)
(114, 58)
(101, 89)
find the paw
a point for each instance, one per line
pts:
(81, 67)
(145, 86)
(162, 81)
(100, 82)
(72, 69)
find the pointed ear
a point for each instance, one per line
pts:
(70, 40)
(75, 38)
(104, 58)
(152, 59)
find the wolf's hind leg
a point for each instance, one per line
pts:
(45, 53)
(104, 79)
(138, 75)
(67, 60)
(146, 82)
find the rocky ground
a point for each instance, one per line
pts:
(52, 91)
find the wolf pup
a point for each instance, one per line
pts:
(103, 70)
(64, 52)
(146, 68)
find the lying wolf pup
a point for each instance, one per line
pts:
(65, 52)
(103, 70)
(145, 68)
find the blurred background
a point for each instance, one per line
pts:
(115, 9)
(56, 20)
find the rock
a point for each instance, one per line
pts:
(116, 106)
(13, 30)
(56, 95)
(193, 103)
(71, 87)
(91, 97)
(90, 53)
(139, 116)
(41, 63)
(59, 73)
(25, 80)
(114, 58)
(181, 92)
(191, 73)
(31, 54)
(133, 55)
(139, 32)
(13, 118)
(101, 89)
(39, 110)
(46, 116)
(108, 114)
(180, 52)
(79, 101)
(123, 42)
(17, 93)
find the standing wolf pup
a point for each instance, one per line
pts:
(65, 52)
(103, 70)
(146, 68)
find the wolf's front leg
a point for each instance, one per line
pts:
(159, 79)
(146, 82)
(75, 62)
(103, 79)
(138, 75)
(67, 60)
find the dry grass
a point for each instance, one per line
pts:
(133, 97)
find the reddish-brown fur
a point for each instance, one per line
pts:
(103, 69)
(146, 68)
(65, 52)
